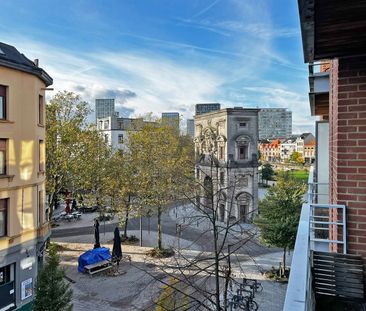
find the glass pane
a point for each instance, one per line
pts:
(2, 162)
(2, 110)
(2, 223)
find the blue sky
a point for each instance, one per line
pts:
(167, 55)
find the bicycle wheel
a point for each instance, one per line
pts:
(259, 288)
(252, 305)
(243, 305)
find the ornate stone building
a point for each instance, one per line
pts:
(227, 162)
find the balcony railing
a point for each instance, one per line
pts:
(319, 230)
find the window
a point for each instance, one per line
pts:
(2, 102)
(106, 138)
(40, 110)
(2, 156)
(243, 152)
(40, 207)
(6, 276)
(106, 124)
(221, 152)
(197, 173)
(100, 125)
(120, 138)
(222, 178)
(3, 217)
(242, 124)
(243, 212)
(41, 156)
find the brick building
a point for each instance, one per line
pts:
(347, 120)
(332, 230)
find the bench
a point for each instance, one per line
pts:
(98, 267)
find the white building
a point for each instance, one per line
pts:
(227, 162)
(288, 147)
(115, 130)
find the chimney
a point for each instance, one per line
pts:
(36, 62)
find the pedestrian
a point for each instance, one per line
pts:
(73, 205)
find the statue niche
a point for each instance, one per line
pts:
(209, 144)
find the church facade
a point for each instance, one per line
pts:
(227, 163)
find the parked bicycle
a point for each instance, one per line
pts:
(257, 286)
(245, 303)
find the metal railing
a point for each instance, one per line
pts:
(314, 222)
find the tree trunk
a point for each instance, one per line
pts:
(284, 260)
(217, 275)
(227, 278)
(159, 229)
(127, 214)
(125, 225)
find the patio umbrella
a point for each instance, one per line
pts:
(96, 234)
(117, 249)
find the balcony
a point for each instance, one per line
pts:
(319, 88)
(332, 28)
(322, 274)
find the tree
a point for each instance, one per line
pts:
(296, 157)
(66, 117)
(158, 158)
(122, 186)
(52, 292)
(92, 177)
(70, 140)
(267, 172)
(202, 281)
(280, 214)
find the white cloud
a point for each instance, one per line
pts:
(170, 84)
(157, 84)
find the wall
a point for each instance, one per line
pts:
(25, 180)
(348, 146)
(226, 123)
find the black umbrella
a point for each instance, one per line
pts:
(96, 234)
(117, 249)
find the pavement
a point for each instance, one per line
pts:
(134, 289)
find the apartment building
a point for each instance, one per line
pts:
(275, 123)
(190, 127)
(115, 130)
(270, 150)
(105, 107)
(171, 118)
(206, 107)
(328, 266)
(24, 225)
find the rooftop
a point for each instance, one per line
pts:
(10, 57)
(226, 111)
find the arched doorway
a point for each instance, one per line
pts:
(243, 201)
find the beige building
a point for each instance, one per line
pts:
(23, 215)
(227, 162)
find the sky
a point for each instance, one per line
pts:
(167, 55)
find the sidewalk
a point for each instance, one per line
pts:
(187, 215)
(136, 290)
